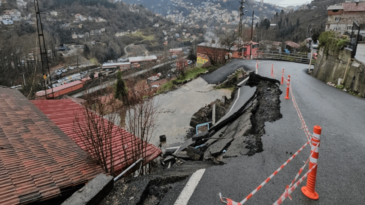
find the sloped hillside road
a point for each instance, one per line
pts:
(341, 168)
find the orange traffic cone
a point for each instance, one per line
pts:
(287, 88)
(309, 190)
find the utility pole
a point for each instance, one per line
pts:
(42, 49)
(253, 13)
(241, 16)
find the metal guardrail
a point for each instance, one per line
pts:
(300, 58)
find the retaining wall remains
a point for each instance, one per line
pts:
(331, 67)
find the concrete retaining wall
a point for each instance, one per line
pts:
(332, 67)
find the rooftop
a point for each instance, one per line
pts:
(37, 159)
(352, 6)
(63, 113)
(142, 58)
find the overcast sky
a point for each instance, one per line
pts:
(287, 2)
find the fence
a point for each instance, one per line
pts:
(266, 55)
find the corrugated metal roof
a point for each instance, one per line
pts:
(351, 6)
(63, 113)
(335, 7)
(142, 58)
(37, 159)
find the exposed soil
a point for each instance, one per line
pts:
(266, 108)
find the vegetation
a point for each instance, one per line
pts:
(330, 42)
(144, 37)
(121, 90)
(190, 74)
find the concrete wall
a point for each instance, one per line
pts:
(332, 67)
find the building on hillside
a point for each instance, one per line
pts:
(217, 52)
(54, 13)
(341, 16)
(291, 46)
(7, 22)
(176, 51)
(39, 161)
(21, 4)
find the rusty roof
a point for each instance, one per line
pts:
(37, 159)
(292, 44)
(63, 113)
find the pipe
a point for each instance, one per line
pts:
(130, 167)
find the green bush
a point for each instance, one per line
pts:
(339, 87)
(330, 42)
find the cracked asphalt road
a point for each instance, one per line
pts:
(341, 172)
(221, 74)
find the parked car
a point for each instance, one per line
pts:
(64, 70)
(155, 86)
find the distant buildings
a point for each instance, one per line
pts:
(341, 16)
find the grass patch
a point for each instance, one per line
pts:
(94, 61)
(140, 34)
(165, 87)
(230, 88)
(190, 74)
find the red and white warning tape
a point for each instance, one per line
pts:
(230, 201)
(304, 125)
(289, 190)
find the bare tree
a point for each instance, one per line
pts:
(94, 127)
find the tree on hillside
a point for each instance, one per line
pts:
(86, 51)
(121, 90)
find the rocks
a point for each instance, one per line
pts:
(217, 148)
(205, 114)
(193, 153)
(201, 136)
(181, 155)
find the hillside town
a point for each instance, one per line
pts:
(181, 102)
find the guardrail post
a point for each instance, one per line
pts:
(309, 190)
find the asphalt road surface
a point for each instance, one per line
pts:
(220, 75)
(341, 169)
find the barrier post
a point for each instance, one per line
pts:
(257, 67)
(272, 70)
(282, 77)
(287, 88)
(309, 190)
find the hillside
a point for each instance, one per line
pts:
(105, 28)
(296, 25)
(207, 12)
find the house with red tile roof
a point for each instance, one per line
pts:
(63, 112)
(38, 161)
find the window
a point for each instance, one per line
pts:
(349, 27)
(337, 19)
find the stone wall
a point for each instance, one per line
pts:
(332, 67)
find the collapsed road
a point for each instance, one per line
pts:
(238, 133)
(341, 118)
